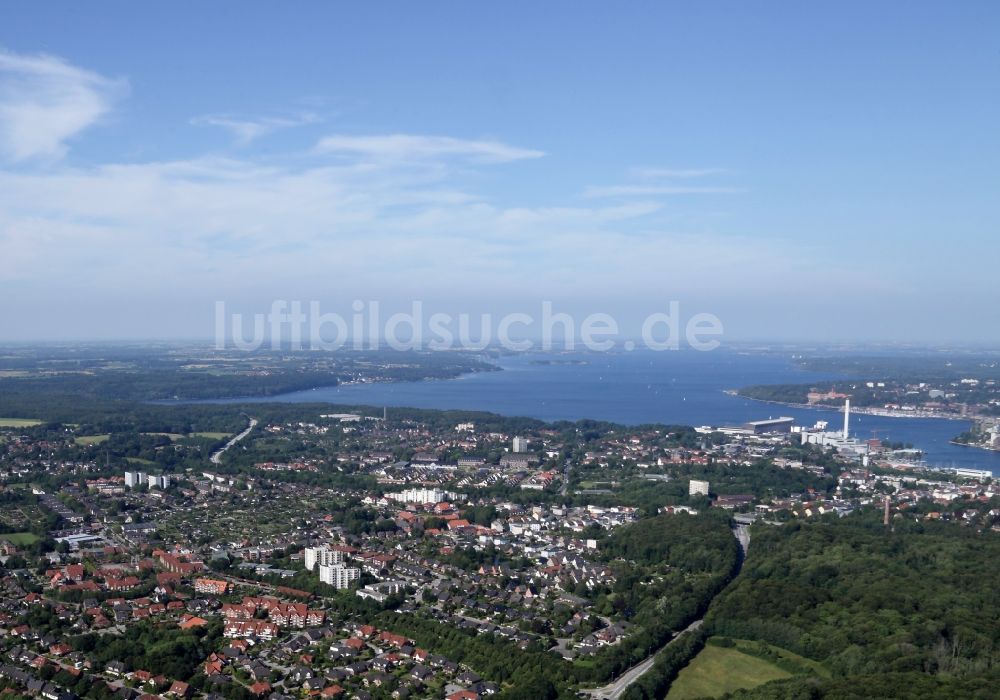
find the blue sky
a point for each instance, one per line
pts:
(802, 172)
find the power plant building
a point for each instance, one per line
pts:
(840, 440)
(771, 425)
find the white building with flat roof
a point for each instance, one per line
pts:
(698, 488)
(970, 473)
(158, 482)
(422, 496)
(338, 576)
(322, 556)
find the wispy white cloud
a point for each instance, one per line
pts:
(170, 238)
(246, 130)
(45, 102)
(661, 182)
(652, 190)
(338, 230)
(410, 147)
(647, 173)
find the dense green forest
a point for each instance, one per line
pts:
(899, 686)
(696, 543)
(920, 598)
(782, 393)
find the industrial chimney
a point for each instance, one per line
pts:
(847, 417)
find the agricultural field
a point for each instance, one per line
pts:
(20, 539)
(597, 484)
(90, 439)
(718, 670)
(19, 422)
(173, 436)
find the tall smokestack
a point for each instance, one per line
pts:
(885, 516)
(847, 417)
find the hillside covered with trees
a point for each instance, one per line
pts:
(918, 600)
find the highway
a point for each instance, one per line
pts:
(742, 533)
(217, 457)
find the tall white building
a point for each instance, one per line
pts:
(422, 496)
(322, 555)
(159, 482)
(698, 488)
(520, 444)
(137, 479)
(338, 576)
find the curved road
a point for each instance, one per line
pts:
(216, 458)
(614, 690)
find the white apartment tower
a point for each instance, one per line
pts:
(158, 482)
(323, 556)
(338, 576)
(698, 488)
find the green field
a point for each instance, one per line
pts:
(720, 670)
(20, 538)
(172, 436)
(179, 436)
(596, 484)
(18, 422)
(90, 439)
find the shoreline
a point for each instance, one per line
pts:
(882, 412)
(978, 447)
(870, 412)
(269, 398)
